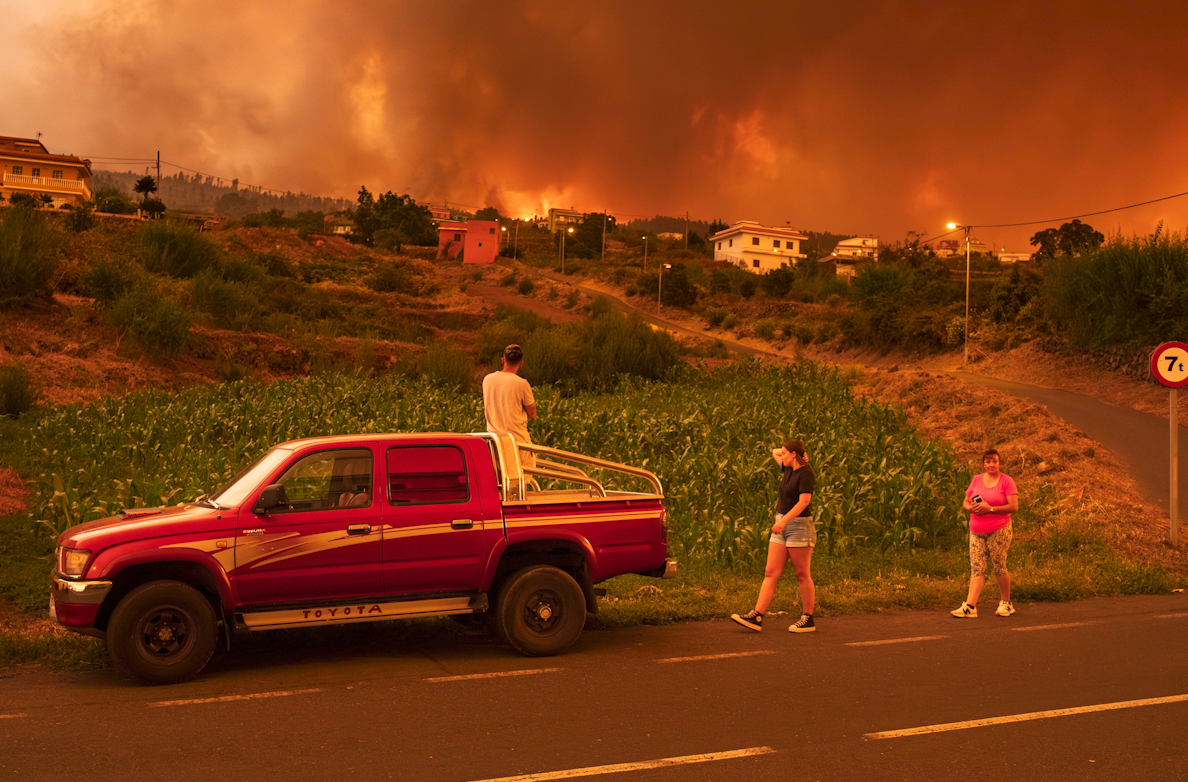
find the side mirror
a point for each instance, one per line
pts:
(273, 498)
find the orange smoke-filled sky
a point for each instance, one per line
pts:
(871, 117)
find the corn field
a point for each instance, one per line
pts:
(708, 436)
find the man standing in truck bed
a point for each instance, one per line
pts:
(508, 402)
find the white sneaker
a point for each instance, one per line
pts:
(966, 611)
(1004, 608)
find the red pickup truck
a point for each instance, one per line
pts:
(332, 530)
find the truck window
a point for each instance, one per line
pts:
(427, 475)
(329, 479)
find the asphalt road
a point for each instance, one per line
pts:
(1140, 440)
(365, 705)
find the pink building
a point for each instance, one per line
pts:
(476, 240)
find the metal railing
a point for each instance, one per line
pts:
(43, 181)
(514, 476)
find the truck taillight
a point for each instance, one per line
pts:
(664, 527)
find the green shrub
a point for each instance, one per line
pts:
(526, 286)
(447, 365)
(81, 218)
(27, 247)
(17, 393)
(159, 324)
(112, 200)
(715, 315)
(229, 371)
(274, 263)
(232, 305)
(176, 249)
(881, 280)
(571, 300)
(394, 277)
(826, 331)
(729, 321)
(107, 279)
(803, 333)
(508, 279)
(764, 328)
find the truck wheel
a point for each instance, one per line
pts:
(162, 632)
(541, 611)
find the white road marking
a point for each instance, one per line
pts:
(1033, 715)
(12, 716)
(713, 656)
(494, 675)
(1171, 616)
(897, 640)
(1053, 627)
(253, 696)
(642, 765)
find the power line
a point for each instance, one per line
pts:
(1087, 214)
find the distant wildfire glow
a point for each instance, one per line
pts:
(872, 118)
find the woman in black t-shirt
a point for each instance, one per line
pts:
(793, 537)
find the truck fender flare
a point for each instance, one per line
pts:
(158, 556)
(558, 533)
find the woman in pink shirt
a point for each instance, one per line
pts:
(990, 499)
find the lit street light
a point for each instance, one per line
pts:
(645, 263)
(660, 286)
(954, 227)
(569, 231)
(504, 229)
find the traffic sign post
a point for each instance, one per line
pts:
(1169, 365)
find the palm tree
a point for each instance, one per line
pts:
(144, 186)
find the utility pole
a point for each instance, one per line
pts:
(602, 257)
(686, 229)
(159, 194)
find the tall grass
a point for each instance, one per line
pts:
(27, 247)
(708, 438)
(175, 249)
(1129, 291)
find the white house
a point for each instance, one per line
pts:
(1005, 257)
(757, 248)
(858, 247)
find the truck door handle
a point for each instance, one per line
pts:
(358, 529)
(461, 523)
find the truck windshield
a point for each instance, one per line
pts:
(241, 485)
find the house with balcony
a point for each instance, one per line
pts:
(560, 219)
(757, 248)
(26, 166)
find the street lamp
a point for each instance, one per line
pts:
(660, 285)
(954, 227)
(645, 263)
(567, 231)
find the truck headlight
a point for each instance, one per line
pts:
(73, 562)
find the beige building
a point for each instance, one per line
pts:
(26, 166)
(757, 248)
(858, 247)
(560, 219)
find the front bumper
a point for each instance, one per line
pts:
(75, 604)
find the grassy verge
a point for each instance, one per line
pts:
(1059, 568)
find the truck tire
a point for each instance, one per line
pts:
(540, 611)
(162, 632)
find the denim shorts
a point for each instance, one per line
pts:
(799, 532)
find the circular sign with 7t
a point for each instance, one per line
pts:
(1169, 364)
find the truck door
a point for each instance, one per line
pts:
(325, 544)
(433, 522)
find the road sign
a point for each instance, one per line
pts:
(1169, 364)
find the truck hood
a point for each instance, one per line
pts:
(140, 523)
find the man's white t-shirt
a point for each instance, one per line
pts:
(505, 397)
